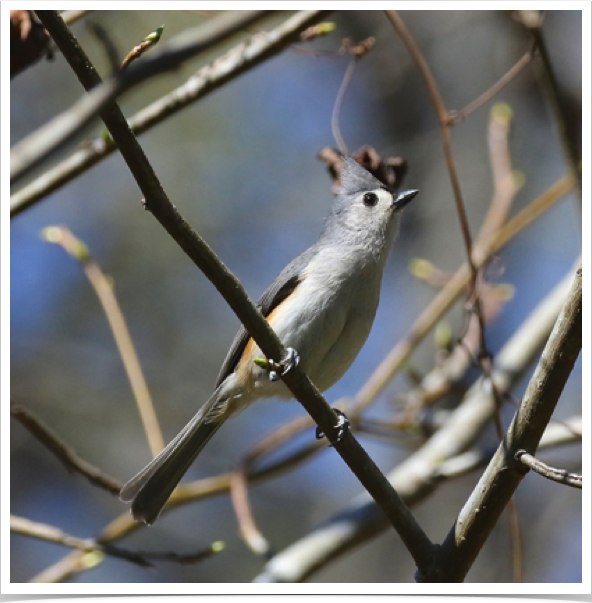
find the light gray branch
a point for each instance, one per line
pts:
(561, 476)
(414, 477)
(40, 144)
(504, 473)
(239, 59)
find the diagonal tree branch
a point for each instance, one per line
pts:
(157, 202)
(60, 235)
(504, 473)
(416, 477)
(64, 452)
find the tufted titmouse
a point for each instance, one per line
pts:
(322, 305)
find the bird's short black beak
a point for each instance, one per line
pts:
(401, 199)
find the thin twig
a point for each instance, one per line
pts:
(335, 129)
(357, 51)
(569, 145)
(64, 452)
(561, 476)
(246, 472)
(443, 118)
(456, 116)
(515, 541)
(246, 522)
(504, 181)
(103, 287)
(42, 531)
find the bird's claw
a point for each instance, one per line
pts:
(342, 428)
(279, 369)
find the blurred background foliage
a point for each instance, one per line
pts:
(241, 167)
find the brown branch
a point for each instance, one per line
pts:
(103, 287)
(157, 202)
(349, 72)
(444, 119)
(568, 142)
(504, 182)
(357, 51)
(42, 531)
(247, 471)
(456, 116)
(64, 452)
(246, 522)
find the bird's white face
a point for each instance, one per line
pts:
(369, 211)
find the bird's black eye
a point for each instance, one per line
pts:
(370, 199)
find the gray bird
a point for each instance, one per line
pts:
(322, 306)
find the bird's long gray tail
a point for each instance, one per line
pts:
(149, 490)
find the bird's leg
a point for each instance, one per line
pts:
(342, 427)
(279, 369)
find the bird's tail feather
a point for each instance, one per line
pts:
(149, 490)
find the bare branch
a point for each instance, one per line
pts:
(246, 522)
(416, 477)
(26, 527)
(64, 452)
(157, 202)
(357, 51)
(103, 287)
(40, 144)
(444, 119)
(224, 69)
(570, 146)
(561, 476)
(504, 473)
(42, 531)
(526, 59)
